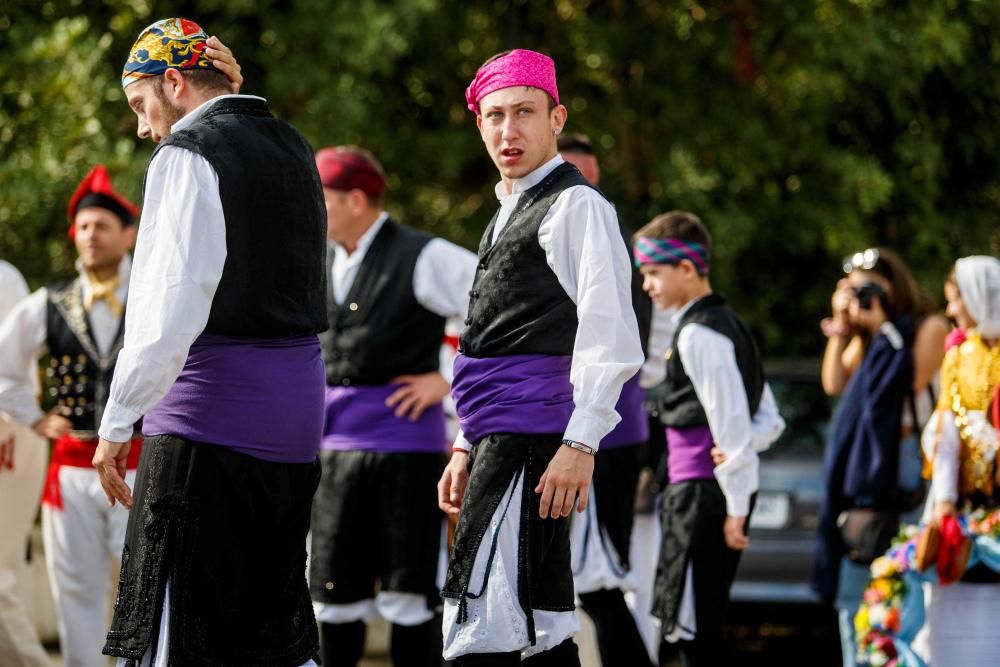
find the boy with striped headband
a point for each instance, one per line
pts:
(715, 392)
(551, 338)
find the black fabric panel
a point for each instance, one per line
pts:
(229, 531)
(544, 571)
(375, 518)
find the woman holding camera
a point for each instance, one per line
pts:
(884, 347)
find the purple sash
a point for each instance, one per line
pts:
(357, 418)
(525, 393)
(633, 429)
(261, 397)
(689, 454)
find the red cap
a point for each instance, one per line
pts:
(96, 190)
(345, 168)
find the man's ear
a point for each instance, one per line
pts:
(130, 232)
(174, 83)
(558, 118)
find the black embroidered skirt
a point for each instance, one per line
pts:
(376, 518)
(229, 532)
(545, 578)
(692, 515)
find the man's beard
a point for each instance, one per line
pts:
(171, 112)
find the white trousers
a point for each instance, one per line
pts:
(22, 472)
(82, 541)
(644, 554)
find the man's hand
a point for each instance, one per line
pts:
(417, 393)
(735, 531)
(944, 508)
(53, 425)
(110, 461)
(454, 479)
(224, 61)
(718, 456)
(567, 476)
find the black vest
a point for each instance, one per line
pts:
(381, 331)
(681, 408)
(78, 376)
(516, 305)
(273, 282)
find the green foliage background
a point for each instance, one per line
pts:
(799, 131)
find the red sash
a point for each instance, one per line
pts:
(76, 453)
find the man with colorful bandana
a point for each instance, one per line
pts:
(79, 324)
(391, 291)
(551, 338)
(222, 361)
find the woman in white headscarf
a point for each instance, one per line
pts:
(961, 443)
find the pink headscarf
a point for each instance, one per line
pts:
(520, 67)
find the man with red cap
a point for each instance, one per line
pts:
(375, 524)
(551, 338)
(79, 325)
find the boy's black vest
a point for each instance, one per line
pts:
(681, 408)
(381, 331)
(78, 376)
(273, 283)
(517, 305)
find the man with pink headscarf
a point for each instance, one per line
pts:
(551, 338)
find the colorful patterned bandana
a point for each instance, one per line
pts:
(170, 43)
(670, 251)
(520, 67)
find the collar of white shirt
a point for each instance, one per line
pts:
(124, 271)
(188, 119)
(364, 242)
(680, 312)
(532, 179)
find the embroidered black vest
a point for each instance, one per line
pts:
(381, 331)
(681, 407)
(516, 305)
(273, 282)
(78, 376)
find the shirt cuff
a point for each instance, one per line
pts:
(588, 428)
(461, 443)
(118, 422)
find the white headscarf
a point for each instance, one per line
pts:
(978, 280)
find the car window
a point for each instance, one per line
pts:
(806, 409)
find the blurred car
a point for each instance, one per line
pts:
(778, 564)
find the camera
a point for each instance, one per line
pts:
(865, 293)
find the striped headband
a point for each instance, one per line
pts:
(670, 251)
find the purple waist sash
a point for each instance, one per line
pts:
(689, 454)
(525, 393)
(261, 397)
(357, 418)
(633, 429)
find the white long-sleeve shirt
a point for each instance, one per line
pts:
(179, 256)
(22, 339)
(709, 359)
(583, 247)
(12, 288)
(442, 276)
